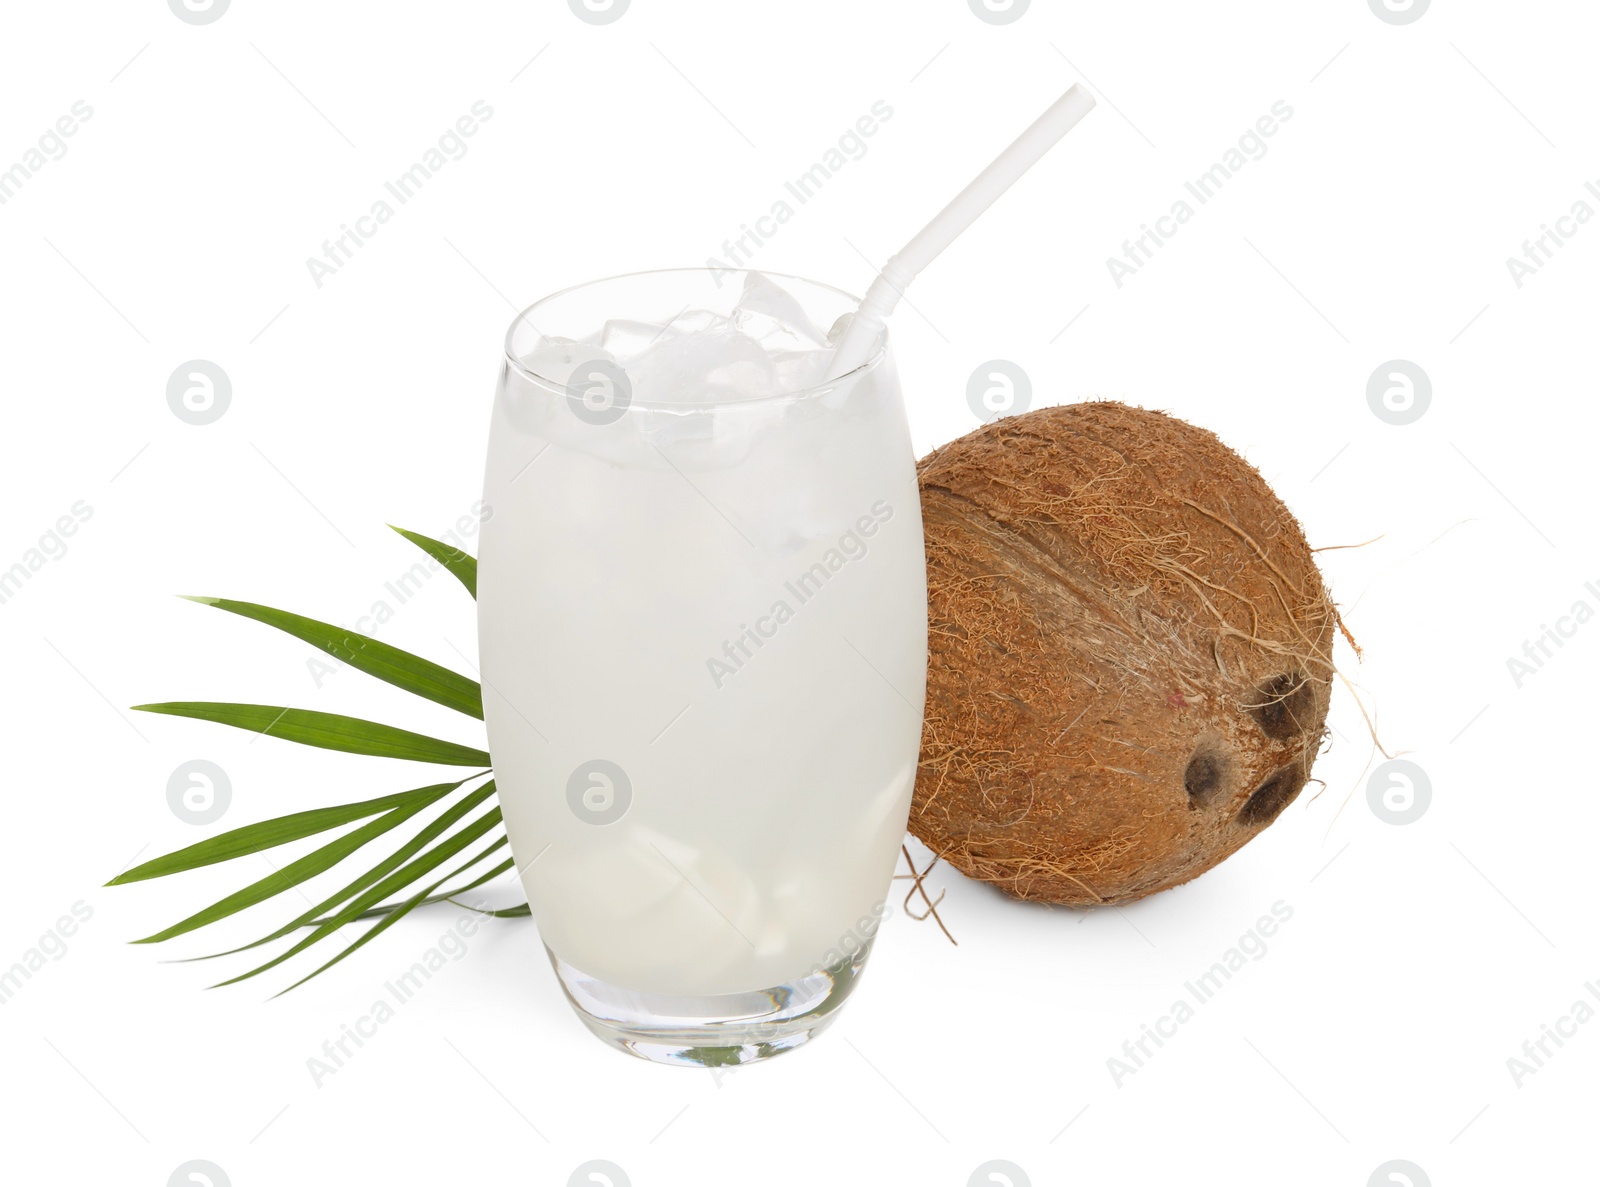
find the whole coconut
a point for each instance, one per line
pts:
(1130, 654)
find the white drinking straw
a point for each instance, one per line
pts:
(1022, 154)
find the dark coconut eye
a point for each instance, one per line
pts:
(1202, 777)
(1275, 794)
(1284, 706)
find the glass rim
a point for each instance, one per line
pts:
(558, 388)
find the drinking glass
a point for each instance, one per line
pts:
(703, 637)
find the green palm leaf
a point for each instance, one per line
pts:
(460, 564)
(449, 896)
(316, 862)
(312, 916)
(362, 897)
(253, 838)
(330, 731)
(366, 654)
(404, 876)
(396, 915)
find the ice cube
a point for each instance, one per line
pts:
(711, 367)
(709, 438)
(772, 316)
(699, 321)
(627, 339)
(798, 370)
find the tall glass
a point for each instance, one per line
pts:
(703, 636)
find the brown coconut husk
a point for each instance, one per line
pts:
(1130, 654)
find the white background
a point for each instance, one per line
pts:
(1419, 958)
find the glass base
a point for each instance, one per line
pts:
(713, 1030)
